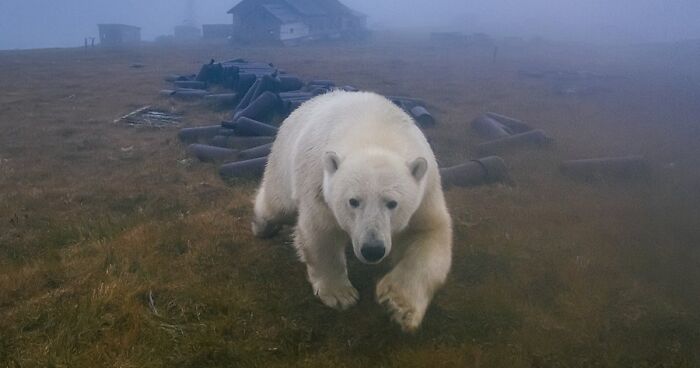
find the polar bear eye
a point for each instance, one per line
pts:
(391, 205)
(354, 203)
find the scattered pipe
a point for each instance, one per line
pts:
(321, 83)
(240, 143)
(247, 168)
(207, 153)
(249, 127)
(515, 125)
(245, 82)
(205, 132)
(624, 167)
(485, 170)
(295, 94)
(422, 116)
(221, 98)
(290, 83)
(248, 97)
(265, 105)
(189, 93)
(255, 152)
(190, 84)
(532, 138)
(490, 128)
(319, 91)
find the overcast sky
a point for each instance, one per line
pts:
(64, 23)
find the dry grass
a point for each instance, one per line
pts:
(132, 258)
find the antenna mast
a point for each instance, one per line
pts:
(190, 15)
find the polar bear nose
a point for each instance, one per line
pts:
(373, 251)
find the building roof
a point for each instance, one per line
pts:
(289, 9)
(115, 25)
(283, 13)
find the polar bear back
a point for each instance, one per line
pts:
(342, 122)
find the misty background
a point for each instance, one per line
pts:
(65, 23)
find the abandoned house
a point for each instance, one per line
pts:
(119, 35)
(294, 21)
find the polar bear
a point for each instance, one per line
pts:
(353, 169)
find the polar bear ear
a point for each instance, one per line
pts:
(418, 168)
(331, 162)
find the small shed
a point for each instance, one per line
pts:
(119, 34)
(217, 31)
(292, 21)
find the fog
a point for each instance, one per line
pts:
(41, 23)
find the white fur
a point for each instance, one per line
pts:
(344, 145)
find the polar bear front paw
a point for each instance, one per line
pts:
(264, 229)
(338, 295)
(406, 308)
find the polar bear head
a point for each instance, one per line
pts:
(373, 194)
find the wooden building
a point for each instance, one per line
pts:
(293, 21)
(119, 35)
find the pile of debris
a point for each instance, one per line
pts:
(265, 95)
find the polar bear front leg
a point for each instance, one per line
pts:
(408, 289)
(323, 251)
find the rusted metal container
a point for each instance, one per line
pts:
(514, 125)
(534, 138)
(620, 168)
(485, 170)
(255, 152)
(248, 168)
(208, 153)
(202, 133)
(422, 116)
(266, 105)
(490, 128)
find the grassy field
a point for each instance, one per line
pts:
(118, 251)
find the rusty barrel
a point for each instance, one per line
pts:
(208, 153)
(422, 116)
(247, 97)
(490, 128)
(249, 127)
(248, 168)
(622, 167)
(485, 170)
(261, 108)
(255, 152)
(245, 82)
(535, 138)
(204, 132)
(290, 83)
(515, 125)
(241, 143)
